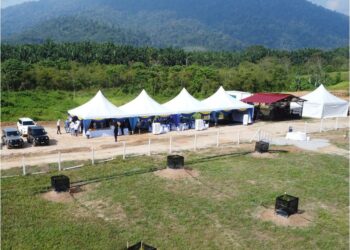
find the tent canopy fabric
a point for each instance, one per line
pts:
(184, 103)
(221, 101)
(269, 98)
(97, 108)
(322, 104)
(144, 106)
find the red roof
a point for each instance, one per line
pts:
(267, 98)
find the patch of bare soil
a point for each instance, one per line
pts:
(176, 174)
(103, 209)
(264, 155)
(62, 197)
(252, 182)
(301, 219)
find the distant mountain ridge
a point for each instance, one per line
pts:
(200, 24)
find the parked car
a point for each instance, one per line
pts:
(23, 124)
(37, 135)
(11, 138)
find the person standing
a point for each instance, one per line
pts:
(58, 127)
(116, 128)
(76, 127)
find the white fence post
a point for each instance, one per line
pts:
(149, 146)
(195, 141)
(124, 150)
(92, 156)
(305, 127)
(217, 138)
(23, 166)
(170, 144)
(59, 161)
(336, 123)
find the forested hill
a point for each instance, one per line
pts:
(191, 24)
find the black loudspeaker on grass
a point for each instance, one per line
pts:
(262, 146)
(141, 245)
(175, 161)
(286, 205)
(60, 183)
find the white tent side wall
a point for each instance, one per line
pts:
(335, 110)
(312, 110)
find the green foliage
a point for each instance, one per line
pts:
(205, 25)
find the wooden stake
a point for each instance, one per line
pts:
(23, 166)
(170, 144)
(195, 141)
(124, 150)
(149, 146)
(59, 161)
(217, 139)
(92, 156)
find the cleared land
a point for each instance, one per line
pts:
(79, 148)
(224, 204)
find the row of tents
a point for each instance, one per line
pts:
(99, 107)
(318, 104)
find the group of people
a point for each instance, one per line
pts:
(70, 126)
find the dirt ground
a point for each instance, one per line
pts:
(301, 219)
(177, 174)
(80, 148)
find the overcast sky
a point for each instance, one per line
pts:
(337, 5)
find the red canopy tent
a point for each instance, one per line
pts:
(279, 105)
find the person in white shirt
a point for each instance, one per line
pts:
(76, 128)
(58, 127)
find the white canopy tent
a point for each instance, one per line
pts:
(322, 104)
(144, 106)
(222, 101)
(97, 108)
(184, 103)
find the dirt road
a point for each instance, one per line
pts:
(80, 148)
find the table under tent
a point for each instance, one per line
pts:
(143, 111)
(226, 109)
(275, 106)
(98, 116)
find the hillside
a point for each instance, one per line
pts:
(193, 24)
(74, 29)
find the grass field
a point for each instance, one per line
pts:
(51, 105)
(216, 210)
(340, 86)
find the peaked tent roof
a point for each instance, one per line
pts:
(322, 96)
(184, 103)
(144, 105)
(97, 108)
(220, 100)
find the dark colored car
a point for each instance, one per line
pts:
(38, 136)
(11, 138)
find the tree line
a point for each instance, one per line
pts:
(75, 66)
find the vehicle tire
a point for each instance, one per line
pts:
(48, 143)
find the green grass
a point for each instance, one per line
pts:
(340, 86)
(216, 211)
(52, 105)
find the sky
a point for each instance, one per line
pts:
(341, 6)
